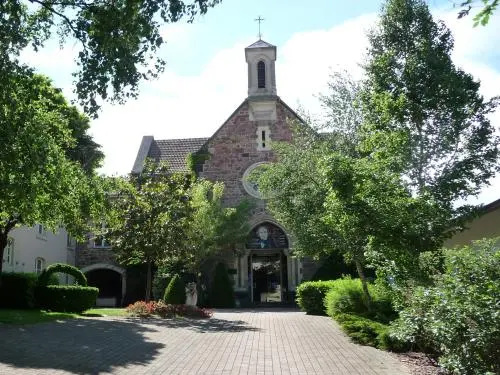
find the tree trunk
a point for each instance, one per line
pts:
(362, 277)
(3, 244)
(149, 277)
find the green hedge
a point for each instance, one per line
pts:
(221, 292)
(46, 274)
(346, 297)
(310, 295)
(458, 317)
(175, 293)
(67, 298)
(17, 290)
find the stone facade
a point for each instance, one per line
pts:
(242, 142)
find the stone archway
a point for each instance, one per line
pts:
(98, 275)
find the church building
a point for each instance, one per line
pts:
(267, 271)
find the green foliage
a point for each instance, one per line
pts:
(175, 293)
(43, 279)
(44, 174)
(196, 160)
(346, 297)
(160, 283)
(17, 290)
(363, 330)
(483, 16)
(66, 298)
(172, 220)
(221, 291)
(333, 267)
(215, 228)
(118, 41)
(310, 296)
(457, 317)
(426, 121)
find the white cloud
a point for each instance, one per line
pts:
(178, 105)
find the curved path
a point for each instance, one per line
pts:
(257, 341)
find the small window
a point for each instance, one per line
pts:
(261, 75)
(263, 139)
(100, 240)
(9, 252)
(40, 231)
(39, 265)
(70, 242)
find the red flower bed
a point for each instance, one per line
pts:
(143, 309)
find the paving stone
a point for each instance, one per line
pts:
(272, 341)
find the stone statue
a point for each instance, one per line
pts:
(191, 294)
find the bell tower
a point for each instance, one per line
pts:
(260, 57)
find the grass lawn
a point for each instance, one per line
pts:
(11, 316)
(105, 311)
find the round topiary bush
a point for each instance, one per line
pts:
(175, 293)
(45, 276)
(222, 293)
(69, 298)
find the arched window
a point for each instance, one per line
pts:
(261, 75)
(39, 265)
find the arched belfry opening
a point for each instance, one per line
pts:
(261, 75)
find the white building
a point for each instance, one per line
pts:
(31, 249)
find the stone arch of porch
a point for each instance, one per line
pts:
(111, 267)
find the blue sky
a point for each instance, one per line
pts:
(206, 76)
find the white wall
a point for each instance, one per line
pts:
(29, 245)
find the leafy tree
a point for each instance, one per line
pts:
(172, 221)
(425, 119)
(38, 182)
(215, 228)
(313, 184)
(150, 218)
(483, 16)
(118, 39)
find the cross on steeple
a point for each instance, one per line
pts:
(260, 19)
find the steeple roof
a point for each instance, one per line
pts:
(260, 44)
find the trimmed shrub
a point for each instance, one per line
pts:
(175, 292)
(310, 296)
(45, 276)
(221, 293)
(458, 317)
(67, 298)
(346, 296)
(17, 290)
(362, 330)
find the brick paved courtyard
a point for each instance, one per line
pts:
(232, 342)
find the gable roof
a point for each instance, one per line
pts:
(260, 44)
(175, 151)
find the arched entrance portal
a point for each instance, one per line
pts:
(111, 282)
(267, 248)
